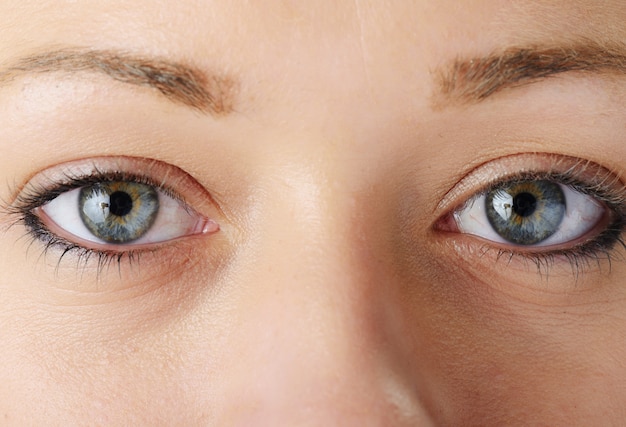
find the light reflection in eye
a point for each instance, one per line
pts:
(121, 213)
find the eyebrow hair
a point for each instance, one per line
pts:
(181, 84)
(472, 80)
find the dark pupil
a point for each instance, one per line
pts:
(120, 203)
(524, 204)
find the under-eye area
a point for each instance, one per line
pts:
(109, 209)
(540, 207)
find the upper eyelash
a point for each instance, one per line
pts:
(615, 200)
(34, 197)
(602, 246)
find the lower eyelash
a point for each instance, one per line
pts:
(38, 232)
(608, 246)
(35, 231)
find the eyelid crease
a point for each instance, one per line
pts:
(583, 175)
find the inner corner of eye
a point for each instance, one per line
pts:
(447, 223)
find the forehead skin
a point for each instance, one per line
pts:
(370, 63)
(331, 100)
(366, 43)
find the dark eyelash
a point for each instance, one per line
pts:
(601, 247)
(601, 191)
(36, 196)
(37, 231)
(33, 197)
(581, 256)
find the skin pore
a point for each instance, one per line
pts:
(330, 143)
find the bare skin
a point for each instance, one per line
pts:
(326, 142)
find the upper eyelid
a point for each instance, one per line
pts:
(69, 175)
(480, 179)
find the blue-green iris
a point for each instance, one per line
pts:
(118, 212)
(526, 212)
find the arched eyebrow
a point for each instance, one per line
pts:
(180, 83)
(472, 80)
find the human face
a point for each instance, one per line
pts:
(321, 155)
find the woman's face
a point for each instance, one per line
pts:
(312, 213)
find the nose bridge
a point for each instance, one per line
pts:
(311, 261)
(318, 219)
(317, 241)
(318, 323)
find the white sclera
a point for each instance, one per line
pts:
(582, 214)
(173, 220)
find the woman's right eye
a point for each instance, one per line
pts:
(121, 214)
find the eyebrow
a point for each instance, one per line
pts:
(472, 80)
(182, 84)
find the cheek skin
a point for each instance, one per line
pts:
(497, 346)
(497, 360)
(120, 361)
(114, 347)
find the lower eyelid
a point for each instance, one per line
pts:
(514, 271)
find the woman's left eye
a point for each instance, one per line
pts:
(531, 213)
(120, 213)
